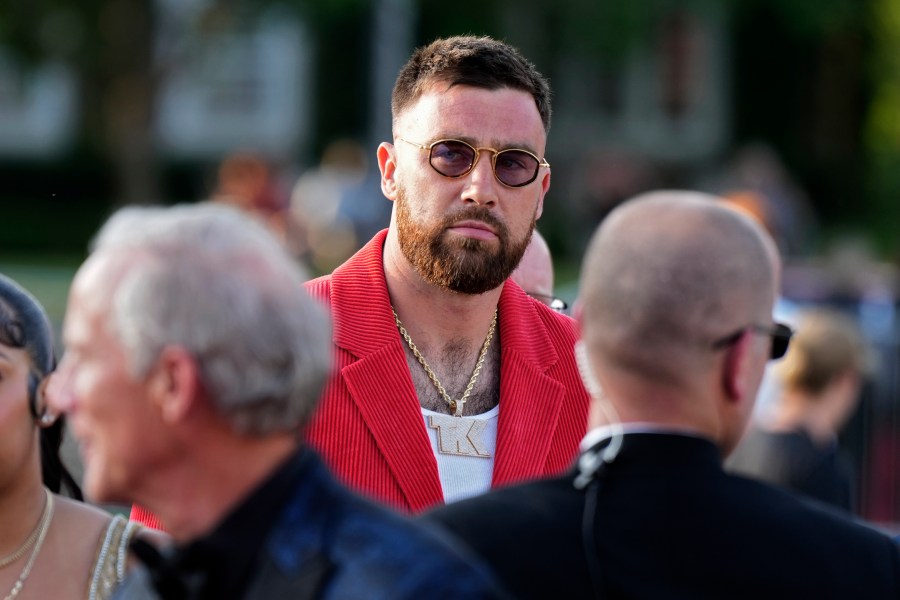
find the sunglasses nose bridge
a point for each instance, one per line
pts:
(492, 161)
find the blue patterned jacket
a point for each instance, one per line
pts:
(329, 543)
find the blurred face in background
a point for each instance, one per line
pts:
(19, 454)
(109, 409)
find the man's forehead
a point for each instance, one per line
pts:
(91, 294)
(502, 115)
(98, 275)
(80, 324)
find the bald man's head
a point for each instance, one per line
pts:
(668, 273)
(535, 271)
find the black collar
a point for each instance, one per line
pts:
(221, 563)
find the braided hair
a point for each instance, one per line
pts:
(25, 325)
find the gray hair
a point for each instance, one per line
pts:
(211, 280)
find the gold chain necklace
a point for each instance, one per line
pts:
(42, 527)
(456, 406)
(21, 550)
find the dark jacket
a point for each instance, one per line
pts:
(326, 542)
(668, 522)
(794, 461)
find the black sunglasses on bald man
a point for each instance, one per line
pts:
(779, 332)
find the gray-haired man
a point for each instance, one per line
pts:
(194, 357)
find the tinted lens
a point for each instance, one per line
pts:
(515, 168)
(452, 158)
(781, 339)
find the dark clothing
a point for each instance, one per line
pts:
(302, 535)
(792, 460)
(220, 564)
(665, 521)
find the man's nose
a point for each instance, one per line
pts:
(482, 185)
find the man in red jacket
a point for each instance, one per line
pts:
(449, 380)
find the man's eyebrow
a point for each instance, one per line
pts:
(495, 144)
(514, 146)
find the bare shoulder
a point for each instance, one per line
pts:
(86, 521)
(80, 518)
(70, 548)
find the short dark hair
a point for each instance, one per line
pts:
(480, 62)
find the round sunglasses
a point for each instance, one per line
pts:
(512, 167)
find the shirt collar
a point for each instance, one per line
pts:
(220, 563)
(598, 434)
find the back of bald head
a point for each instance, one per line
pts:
(665, 275)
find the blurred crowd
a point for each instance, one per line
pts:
(422, 416)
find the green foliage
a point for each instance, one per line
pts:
(473, 17)
(807, 18)
(610, 29)
(49, 225)
(883, 131)
(882, 135)
(76, 31)
(97, 37)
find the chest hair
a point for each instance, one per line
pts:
(453, 365)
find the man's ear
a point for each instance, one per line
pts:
(735, 367)
(387, 164)
(174, 383)
(545, 187)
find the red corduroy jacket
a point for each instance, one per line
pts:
(369, 425)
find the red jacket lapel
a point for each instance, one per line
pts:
(379, 381)
(530, 400)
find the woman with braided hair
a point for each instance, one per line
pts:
(51, 546)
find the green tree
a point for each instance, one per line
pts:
(109, 45)
(119, 58)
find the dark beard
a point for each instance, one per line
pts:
(467, 266)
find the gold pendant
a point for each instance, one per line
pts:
(459, 437)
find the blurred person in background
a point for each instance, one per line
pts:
(246, 180)
(51, 546)
(535, 273)
(795, 443)
(194, 358)
(332, 203)
(757, 178)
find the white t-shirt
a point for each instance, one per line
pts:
(464, 448)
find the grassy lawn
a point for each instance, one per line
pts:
(48, 281)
